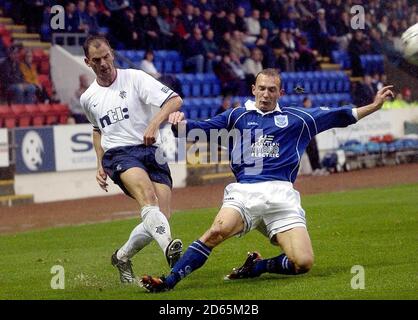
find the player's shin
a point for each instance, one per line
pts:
(156, 224)
(138, 239)
(194, 257)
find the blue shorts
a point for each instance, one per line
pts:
(118, 160)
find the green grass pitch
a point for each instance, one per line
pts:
(374, 228)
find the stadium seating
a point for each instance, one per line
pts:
(38, 117)
(372, 63)
(22, 116)
(7, 117)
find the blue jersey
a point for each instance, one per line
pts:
(270, 145)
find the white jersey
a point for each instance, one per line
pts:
(123, 110)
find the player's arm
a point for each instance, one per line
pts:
(101, 175)
(171, 105)
(381, 96)
(180, 124)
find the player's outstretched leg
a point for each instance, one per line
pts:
(255, 266)
(194, 257)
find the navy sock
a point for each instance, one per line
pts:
(194, 257)
(280, 264)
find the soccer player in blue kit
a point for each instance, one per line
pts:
(263, 198)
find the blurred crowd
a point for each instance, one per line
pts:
(234, 38)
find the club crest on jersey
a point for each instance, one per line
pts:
(122, 94)
(281, 121)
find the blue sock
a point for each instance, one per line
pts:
(280, 264)
(194, 257)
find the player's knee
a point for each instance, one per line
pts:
(303, 263)
(214, 236)
(146, 197)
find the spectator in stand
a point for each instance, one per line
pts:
(30, 75)
(307, 56)
(267, 23)
(376, 43)
(237, 45)
(240, 19)
(116, 5)
(253, 65)
(177, 26)
(231, 21)
(324, 34)
(147, 65)
(167, 37)
(364, 92)
(226, 104)
(383, 25)
(285, 51)
(91, 18)
(128, 32)
(82, 16)
(231, 83)
(377, 82)
(355, 49)
(211, 50)
(75, 106)
(264, 44)
(72, 20)
(343, 30)
(219, 24)
(147, 27)
(194, 52)
(205, 22)
(253, 26)
(189, 20)
(290, 20)
(17, 90)
(205, 5)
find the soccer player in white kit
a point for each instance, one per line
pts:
(263, 197)
(126, 109)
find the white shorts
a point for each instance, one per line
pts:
(271, 207)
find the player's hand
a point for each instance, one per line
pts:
(382, 95)
(176, 117)
(150, 135)
(101, 177)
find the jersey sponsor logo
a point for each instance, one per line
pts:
(252, 123)
(265, 147)
(122, 94)
(281, 121)
(114, 116)
(324, 108)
